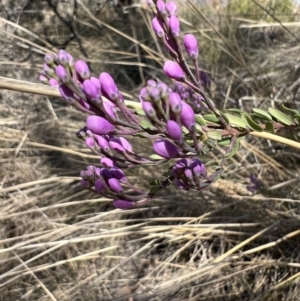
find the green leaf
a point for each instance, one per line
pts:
(280, 116)
(156, 157)
(262, 114)
(235, 148)
(234, 110)
(297, 120)
(200, 120)
(236, 121)
(269, 127)
(211, 118)
(146, 125)
(154, 186)
(252, 124)
(293, 112)
(224, 142)
(215, 135)
(139, 111)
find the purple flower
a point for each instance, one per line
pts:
(174, 131)
(49, 59)
(172, 8)
(115, 185)
(116, 145)
(144, 95)
(187, 116)
(191, 46)
(165, 148)
(82, 69)
(161, 7)
(99, 125)
(44, 79)
(123, 204)
(151, 83)
(107, 162)
(108, 86)
(198, 168)
(66, 93)
(173, 71)
(103, 143)
(175, 103)
(62, 74)
(53, 82)
(118, 174)
(90, 142)
(100, 186)
(174, 25)
(148, 109)
(90, 89)
(158, 27)
(48, 70)
(63, 57)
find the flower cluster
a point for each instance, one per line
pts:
(189, 173)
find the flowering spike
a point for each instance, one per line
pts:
(165, 148)
(108, 86)
(158, 27)
(187, 116)
(174, 131)
(191, 45)
(123, 204)
(174, 71)
(99, 125)
(82, 69)
(174, 25)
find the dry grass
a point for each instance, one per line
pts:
(58, 242)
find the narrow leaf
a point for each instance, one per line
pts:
(262, 114)
(211, 118)
(236, 121)
(280, 116)
(269, 127)
(252, 124)
(200, 120)
(215, 135)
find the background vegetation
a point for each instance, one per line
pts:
(58, 242)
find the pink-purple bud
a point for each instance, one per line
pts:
(158, 27)
(90, 142)
(172, 8)
(99, 125)
(163, 88)
(174, 25)
(48, 70)
(100, 186)
(105, 174)
(161, 7)
(53, 82)
(109, 109)
(62, 74)
(66, 93)
(95, 81)
(108, 86)
(123, 204)
(187, 116)
(165, 148)
(103, 143)
(198, 168)
(155, 94)
(175, 103)
(118, 174)
(107, 162)
(191, 45)
(115, 185)
(44, 79)
(148, 109)
(174, 131)
(124, 142)
(116, 145)
(173, 71)
(151, 83)
(63, 57)
(82, 69)
(85, 184)
(144, 95)
(49, 60)
(90, 89)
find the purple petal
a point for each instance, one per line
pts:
(100, 186)
(123, 204)
(82, 69)
(165, 149)
(158, 27)
(85, 184)
(63, 57)
(66, 93)
(90, 89)
(175, 102)
(191, 45)
(118, 174)
(102, 142)
(174, 131)
(90, 142)
(172, 8)
(187, 116)
(174, 25)
(99, 125)
(107, 162)
(62, 74)
(108, 86)
(115, 185)
(53, 82)
(198, 168)
(148, 109)
(116, 145)
(174, 71)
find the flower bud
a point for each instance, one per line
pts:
(165, 148)
(151, 83)
(107, 162)
(158, 27)
(172, 8)
(148, 109)
(198, 168)
(90, 142)
(163, 88)
(108, 86)
(174, 131)
(144, 95)
(124, 142)
(100, 186)
(118, 174)
(103, 143)
(188, 174)
(99, 125)
(116, 145)
(48, 70)
(49, 60)
(66, 93)
(173, 71)
(53, 82)
(44, 79)
(175, 103)
(82, 69)
(85, 184)
(187, 116)
(105, 174)
(90, 89)
(174, 25)
(96, 82)
(182, 163)
(115, 185)
(155, 95)
(63, 57)
(161, 8)
(62, 74)
(181, 185)
(191, 46)
(123, 204)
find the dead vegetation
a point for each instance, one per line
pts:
(58, 242)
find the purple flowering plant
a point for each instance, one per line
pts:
(180, 119)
